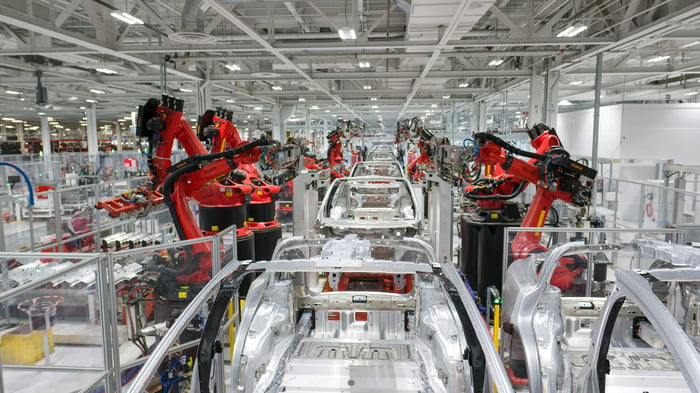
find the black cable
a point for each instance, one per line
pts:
(208, 343)
(507, 146)
(512, 195)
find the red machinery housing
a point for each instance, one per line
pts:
(556, 177)
(195, 177)
(261, 218)
(426, 148)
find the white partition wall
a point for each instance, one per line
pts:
(636, 131)
(576, 131)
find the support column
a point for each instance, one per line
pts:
(307, 125)
(482, 116)
(20, 139)
(477, 117)
(596, 119)
(45, 137)
(552, 105)
(118, 134)
(203, 97)
(536, 110)
(277, 123)
(92, 134)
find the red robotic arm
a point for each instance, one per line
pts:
(554, 174)
(424, 146)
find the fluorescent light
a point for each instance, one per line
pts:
(72, 98)
(126, 17)
(193, 119)
(464, 84)
(231, 100)
(576, 83)
(347, 33)
(364, 64)
(314, 107)
(15, 92)
(302, 99)
(105, 71)
(375, 106)
(692, 93)
(565, 103)
(96, 91)
(373, 99)
(446, 97)
(367, 87)
(658, 59)
(688, 45)
(185, 90)
(90, 100)
(257, 108)
(327, 111)
(276, 88)
(41, 113)
(434, 105)
(572, 31)
(377, 111)
(496, 62)
(17, 121)
(233, 67)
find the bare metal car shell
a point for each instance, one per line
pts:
(372, 206)
(296, 337)
(533, 310)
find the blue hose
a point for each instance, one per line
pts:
(26, 178)
(476, 147)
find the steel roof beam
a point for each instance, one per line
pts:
(260, 40)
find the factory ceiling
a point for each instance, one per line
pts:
(407, 55)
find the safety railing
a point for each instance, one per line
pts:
(64, 216)
(639, 204)
(36, 348)
(589, 274)
(106, 312)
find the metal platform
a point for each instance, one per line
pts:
(352, 367)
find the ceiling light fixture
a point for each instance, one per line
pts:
(367, 87)
(375, 106)
(576, 83)
(106, 71)
(233, 67)
(14, 92)
(692, 93)
(302, 99)
(572, 31)
(464, 84)
(565, 103)
(276, 88)
(231, 100)
(258, 108)
(347, 33)
(314, 107)
(658, 59)
(90, 100)
(373, 99)
(126, 17)
(496, 62)
(327, 111)
(688, 45)
(96, 91)
(364, 64)
(185, 90)
(446, 97)
(434, 105)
